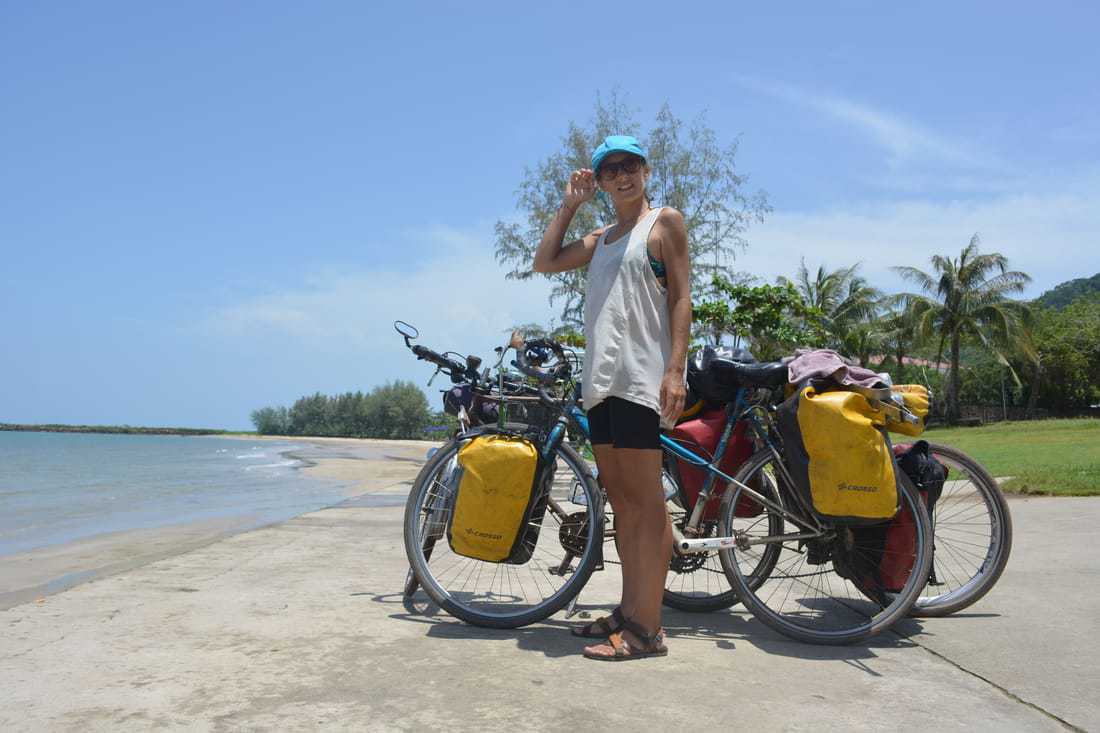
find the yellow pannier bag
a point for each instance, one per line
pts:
(916, 398)
(494, 498)
(838, 455)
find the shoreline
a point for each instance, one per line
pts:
(364, 466)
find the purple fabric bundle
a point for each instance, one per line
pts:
(827, 364)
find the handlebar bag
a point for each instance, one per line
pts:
(916, 398)
(498, 507)
(838, 455)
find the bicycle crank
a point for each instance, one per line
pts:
(740, 540)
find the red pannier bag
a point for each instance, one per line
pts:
(700, 435)
(889, 549)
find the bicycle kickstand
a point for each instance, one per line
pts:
(571, 609)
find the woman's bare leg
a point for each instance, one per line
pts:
(632, 478)
(650, 535)
(608, 463)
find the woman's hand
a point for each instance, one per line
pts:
(673, 394)
(580, 188)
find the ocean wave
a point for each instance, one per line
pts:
(282, 464)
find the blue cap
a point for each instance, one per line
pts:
(616, 144)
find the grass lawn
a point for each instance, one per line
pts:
(1042, 456)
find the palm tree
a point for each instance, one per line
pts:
(844, 297)
(963, 300)
(898, 330)
(863, 340)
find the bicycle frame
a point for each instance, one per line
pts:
(686, 542)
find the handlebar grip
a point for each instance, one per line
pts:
(423, 352)
(457, 371)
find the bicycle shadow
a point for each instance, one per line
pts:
(725, 629)
(551, 637)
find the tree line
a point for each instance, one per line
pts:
(395, 410)
(960, 332)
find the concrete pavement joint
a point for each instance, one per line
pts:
(1003, 690)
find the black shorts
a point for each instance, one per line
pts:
(624, 424)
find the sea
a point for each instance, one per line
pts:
(60, 487)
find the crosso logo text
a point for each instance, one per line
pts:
(484, 535)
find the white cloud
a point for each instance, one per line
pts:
(342, 320)
(904, 141)
(1052, 236)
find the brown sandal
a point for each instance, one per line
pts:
(602, 627)
(650, 645)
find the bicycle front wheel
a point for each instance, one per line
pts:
(503, 595)
(811, 593)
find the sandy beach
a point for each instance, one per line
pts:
(365, 466)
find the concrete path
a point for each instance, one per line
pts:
(301, 626)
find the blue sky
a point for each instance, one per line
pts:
(210, 208)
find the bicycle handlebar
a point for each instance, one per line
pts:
(453, 367)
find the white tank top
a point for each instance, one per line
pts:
(626, 322)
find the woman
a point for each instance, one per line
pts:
(637, 317)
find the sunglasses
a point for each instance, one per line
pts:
(628, 166)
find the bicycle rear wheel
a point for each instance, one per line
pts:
(806, 597)
(503, 595)
(972, 530)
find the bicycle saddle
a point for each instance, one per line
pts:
(715, 374)
(768, 374)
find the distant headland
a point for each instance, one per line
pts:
(111, 429)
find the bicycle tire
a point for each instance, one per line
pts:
(464, 605)
(958, 531)
(411, 581)
(846, 614)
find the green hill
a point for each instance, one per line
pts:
(1062, 295)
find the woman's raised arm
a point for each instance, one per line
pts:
(551, 256)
